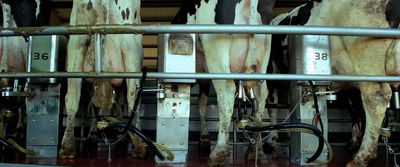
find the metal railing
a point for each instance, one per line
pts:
(231, 29)
(210, 29)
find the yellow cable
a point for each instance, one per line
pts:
(170, 155)
(19, 148)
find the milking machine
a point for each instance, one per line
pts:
(42, 96)
(176, 54)
(309, 54)
(111, 128)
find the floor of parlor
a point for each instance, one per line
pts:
(194, 159)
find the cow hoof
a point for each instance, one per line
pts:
(351, 164)
(251, 154)
(217, 157)
(67, 153)
(205, 144)
(352, 147)
(139, 151)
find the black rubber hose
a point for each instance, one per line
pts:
(8, 145)
(135, 130)
(314, 129)
(138, 96)
(314, 94)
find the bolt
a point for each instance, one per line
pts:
(33, 139)
(33, 120)
(51, 138)
(182, 142)
(164, 123)
(182, 124)
(52, 121)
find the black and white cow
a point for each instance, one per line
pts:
(122, 53)
(357, 55)
(229, 53)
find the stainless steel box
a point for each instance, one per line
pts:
(176, 54)
(173, 121)
(43, 112)
(309, 54)
(44, 54)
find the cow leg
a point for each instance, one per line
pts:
(270, 145)
(261, 94)
(75, 60)
(218, 62)
(204, 91)
(375, 98)
(225, 93)
(132, 53)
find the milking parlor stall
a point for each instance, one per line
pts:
(199, 83)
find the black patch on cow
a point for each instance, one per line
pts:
(127, 14)
(225, 11)
(188, 7)
(303, 16)
(116, 2)
(264, 7)
(123, 14)
(278, 50)
(134, 16)
(24, 12)
(89, 5)
(392, 13)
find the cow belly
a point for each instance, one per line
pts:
(393, 58)
(12, 54)
(112, 59)
(238, 53)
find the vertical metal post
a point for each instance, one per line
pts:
(309, 54)
(97, 52)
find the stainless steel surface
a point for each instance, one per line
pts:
(232, 29)
(173, 121)
(312, 53)
(308, 54)
(44, 52)
(177, 53)
(98, 52)
(43, 121)
(214, 76)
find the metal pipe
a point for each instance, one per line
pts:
(97, 52)
(233, 29)
(214, 76)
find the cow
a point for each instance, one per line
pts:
(352, 55)
(122, 53)
(229, 53)
(13, 50)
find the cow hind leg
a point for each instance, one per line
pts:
(375, 98)
(204, 144)
(261, 94)
(225, 94)
(74, 64)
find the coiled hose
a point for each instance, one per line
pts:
(315, 131)
(135, 130)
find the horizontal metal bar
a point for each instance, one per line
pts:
(214, 76)
(233, 29)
